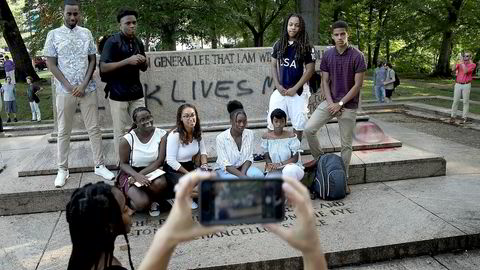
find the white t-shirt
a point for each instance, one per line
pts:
(178, 152)
(145, 154)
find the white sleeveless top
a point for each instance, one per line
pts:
(145, 154)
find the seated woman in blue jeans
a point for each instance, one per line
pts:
(235, 147)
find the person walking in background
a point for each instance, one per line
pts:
(389, 82)
(292, 54)
(9, 97)
(379, 76)
(9, 66)
(33, 99)
(464, 74)
(70, 51)
(343, 69)
(123, 56)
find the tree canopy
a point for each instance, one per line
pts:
(416, 36)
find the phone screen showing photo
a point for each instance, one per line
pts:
(241, 201)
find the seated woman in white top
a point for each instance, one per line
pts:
(183, 144)
(282, 149)
(142, 150)
(235, 147)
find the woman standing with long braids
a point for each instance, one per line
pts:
(290, 54)
(142, 151)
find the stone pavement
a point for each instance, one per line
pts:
(378, 221)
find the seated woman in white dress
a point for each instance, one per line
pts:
(282, 149)
(184, 143)
(235, 147)
(142, 150)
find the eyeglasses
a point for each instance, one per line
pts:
(188, 116)
(466, 56)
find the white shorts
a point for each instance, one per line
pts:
(294, 107)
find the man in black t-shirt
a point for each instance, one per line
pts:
(123, 56)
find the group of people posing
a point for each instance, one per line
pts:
(71, 57)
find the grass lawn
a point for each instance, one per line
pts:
(23, 107)
(421, 88)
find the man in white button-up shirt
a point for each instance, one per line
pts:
(70, 52)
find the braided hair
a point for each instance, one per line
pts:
(95, 219)
(301, 45)
(134, 116)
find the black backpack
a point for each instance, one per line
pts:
(104, 77)
(397, 81)
(330, 178)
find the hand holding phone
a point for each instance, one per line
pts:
(303, 236)
(247, 200)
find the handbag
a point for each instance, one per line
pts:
(122, 177)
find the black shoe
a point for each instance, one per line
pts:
(15, 120)
(258, 157)
(8, 120)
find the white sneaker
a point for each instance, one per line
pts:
(154, 209)
(62, 176)
(102, 171)
(194, 205)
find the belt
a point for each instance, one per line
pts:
(463, 82)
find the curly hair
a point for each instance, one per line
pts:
(197, 130)
(95, 219)
(302, 44)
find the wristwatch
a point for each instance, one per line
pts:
(340, 103)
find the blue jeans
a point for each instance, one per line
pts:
(252, 172)
(380, 93)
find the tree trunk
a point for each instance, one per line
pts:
(443, 66)
(214, 41)
(369, 33)
(309, 11)
(387, 49)
(337, 10)
(168, 42)
(23, 62)
(258, 39)
(379, 36)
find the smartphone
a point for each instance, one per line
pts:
(241, 201)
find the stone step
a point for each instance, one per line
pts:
(376, 222)
(107, 134)
(41, 162)
(367, 166)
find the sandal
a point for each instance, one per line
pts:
(154, 209)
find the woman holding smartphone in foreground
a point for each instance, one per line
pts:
(93, 239)
(235, 147)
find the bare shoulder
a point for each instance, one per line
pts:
(267, 135)
(290, 134)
